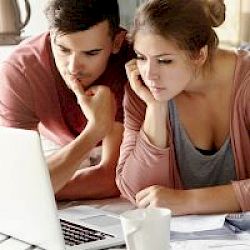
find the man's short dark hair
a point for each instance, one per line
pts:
(69, 16)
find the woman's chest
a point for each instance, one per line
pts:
(206, 122)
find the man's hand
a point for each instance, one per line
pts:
(98, 105)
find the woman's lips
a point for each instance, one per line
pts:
(157, 89)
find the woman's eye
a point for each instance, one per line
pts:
(138, 57)
(165, 61)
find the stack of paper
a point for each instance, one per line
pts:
(194, 227)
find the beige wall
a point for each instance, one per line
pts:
(231, 32)
(245, 21)
(38, 22)
(235, 29)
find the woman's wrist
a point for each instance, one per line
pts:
(155, 124)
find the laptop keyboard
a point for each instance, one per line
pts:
(76, 234)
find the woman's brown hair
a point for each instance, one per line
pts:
(188, 23)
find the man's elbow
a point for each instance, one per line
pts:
(111, 189)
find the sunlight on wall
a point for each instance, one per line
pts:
(229, 31)
(236, 29)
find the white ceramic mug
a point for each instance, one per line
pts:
(147, 229)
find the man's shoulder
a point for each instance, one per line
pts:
(31, 51)
(36, 40)
(31, 61)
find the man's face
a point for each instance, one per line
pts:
(82, 56)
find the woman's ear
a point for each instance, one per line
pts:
(201, 57)
(118, 40)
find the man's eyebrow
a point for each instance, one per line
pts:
(83, 51)
(62, 46)
(59, 44)
(92, 50)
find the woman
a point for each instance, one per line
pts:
(187, 114)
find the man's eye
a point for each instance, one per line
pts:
(92, 53)
(64, 50)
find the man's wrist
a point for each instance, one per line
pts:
(94, 131)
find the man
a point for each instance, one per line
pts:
(69, 83)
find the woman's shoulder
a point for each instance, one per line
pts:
(243, 61)
(242, 77)
(241, 68)
(134, 108)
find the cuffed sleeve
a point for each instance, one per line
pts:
(242, 193)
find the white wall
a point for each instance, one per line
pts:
(127, 9)
(38, 21)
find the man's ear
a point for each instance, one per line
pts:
(118, 40)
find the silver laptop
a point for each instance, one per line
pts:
(28, 210)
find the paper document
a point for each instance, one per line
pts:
(195, 223)
(210, 227)
(211, 245)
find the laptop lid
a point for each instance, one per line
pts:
(28, 210)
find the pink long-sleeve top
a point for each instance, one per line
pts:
(141, 164)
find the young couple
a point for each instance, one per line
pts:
(185, 140)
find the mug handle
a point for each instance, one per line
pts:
(28, 12)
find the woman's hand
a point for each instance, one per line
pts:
(208, 200)
(178, 201)
(136, 82)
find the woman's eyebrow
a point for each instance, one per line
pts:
(158, 55)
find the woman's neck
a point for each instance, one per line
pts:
(215, 77)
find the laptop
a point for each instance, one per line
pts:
(28, 210)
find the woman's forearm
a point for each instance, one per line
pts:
(219, 199)
(155, 124)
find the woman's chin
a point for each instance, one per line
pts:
(161, 98)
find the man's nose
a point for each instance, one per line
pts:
(74, 64)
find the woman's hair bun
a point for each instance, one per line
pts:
(216, 12)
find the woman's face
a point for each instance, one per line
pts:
(165, 69)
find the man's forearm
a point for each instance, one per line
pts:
(98, 181)
(64, 163)
(95, 182)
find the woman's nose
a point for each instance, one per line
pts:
(151, 71)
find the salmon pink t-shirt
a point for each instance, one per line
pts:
(33, 94)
